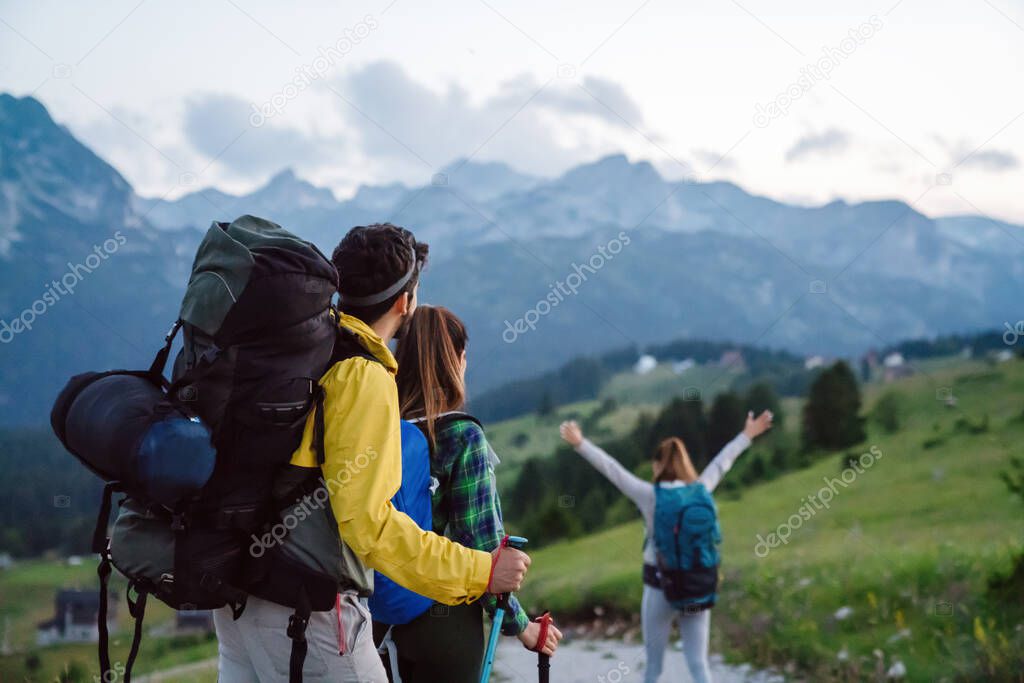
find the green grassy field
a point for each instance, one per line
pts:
(908, 546)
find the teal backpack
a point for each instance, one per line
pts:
(686, 539)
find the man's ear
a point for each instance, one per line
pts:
(402, 304)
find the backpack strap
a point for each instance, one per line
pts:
(137, 609)
(297, 624)
(346, 345)
(444, 420)
(101, 546)
(455, 416)
(103, 643)
(156, 369)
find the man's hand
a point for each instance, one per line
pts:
(571, 433)
(509, 570)
(529, 638)
(756, 426)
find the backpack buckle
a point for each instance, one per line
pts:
(297, 628)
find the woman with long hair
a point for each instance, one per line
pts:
(431, 357)
(672, 468)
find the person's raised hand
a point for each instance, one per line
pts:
(508, 570)
(529, 638)
(756, 426)
(571, 433)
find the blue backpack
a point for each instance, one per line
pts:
(686, 538)
(390, 602)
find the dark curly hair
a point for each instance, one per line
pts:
(371, 258)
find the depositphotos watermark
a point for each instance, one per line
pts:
(1013, 333)
(305, 75)
(563, 288)
(819, 70)
(616, 674)
(57, 289)
(113, 675)
(316, 500)
(817, 501)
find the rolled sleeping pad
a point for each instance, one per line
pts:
(121, 426)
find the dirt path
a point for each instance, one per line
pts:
(582, 661)
(185, 672)
(608, 661)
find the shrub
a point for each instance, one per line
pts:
(888, 412)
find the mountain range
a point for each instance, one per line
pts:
(607, 255)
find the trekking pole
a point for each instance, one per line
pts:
(516, 542)
(543, 660)
(543, 667)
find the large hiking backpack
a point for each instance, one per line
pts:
(259, 331)
(391, 603)
(686, 539)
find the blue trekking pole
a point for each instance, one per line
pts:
(516, 542)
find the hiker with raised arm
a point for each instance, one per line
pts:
(680, 554)
(466, 508)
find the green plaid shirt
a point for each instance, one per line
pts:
(466, 504)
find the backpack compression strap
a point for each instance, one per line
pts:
(101, 546)
(297, 624)
(137, 609)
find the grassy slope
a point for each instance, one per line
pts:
(521, 438)
(921, 528)
(661, 384)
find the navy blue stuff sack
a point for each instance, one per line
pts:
(121, 426)
(175, 459)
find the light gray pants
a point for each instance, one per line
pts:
(256, 648)
(656, 617)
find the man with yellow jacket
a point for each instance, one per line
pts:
(378, 268)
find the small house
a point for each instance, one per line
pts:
(75, 618)
(733, 360)
(645, 364)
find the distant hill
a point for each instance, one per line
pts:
(693, 260)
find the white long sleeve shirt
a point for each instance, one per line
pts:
(642, 492)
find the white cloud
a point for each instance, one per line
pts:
(991, 160)
(219, 128)
(824, 143)
(539, 127)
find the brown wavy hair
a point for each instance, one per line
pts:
(429, 356)
(672, 462)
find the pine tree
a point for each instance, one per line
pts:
(546, 406)
(760, 397)
(725, 420)
(832, 413)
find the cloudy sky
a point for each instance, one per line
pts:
(799, 100)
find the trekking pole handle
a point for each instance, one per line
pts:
(516, 542)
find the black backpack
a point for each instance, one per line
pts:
(198, 456)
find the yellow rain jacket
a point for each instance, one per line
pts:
(363, 468)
